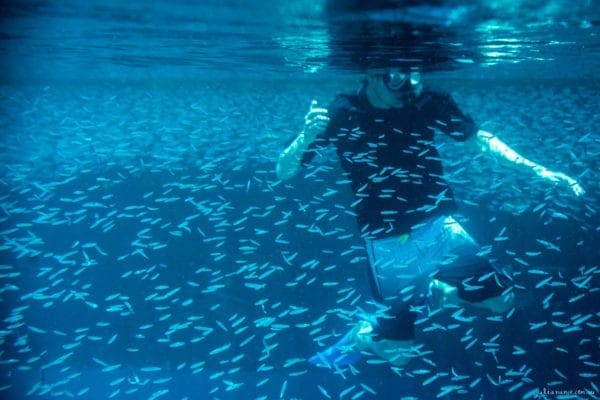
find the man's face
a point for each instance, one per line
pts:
(397, 80)
(395, 86)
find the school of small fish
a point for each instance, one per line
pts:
(149, 251)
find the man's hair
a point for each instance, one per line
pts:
(361, 40)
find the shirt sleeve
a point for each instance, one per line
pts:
(450, 119)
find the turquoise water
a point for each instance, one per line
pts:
(149, 251)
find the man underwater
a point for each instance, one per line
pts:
(418, 253)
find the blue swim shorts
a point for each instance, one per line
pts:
(401, 267)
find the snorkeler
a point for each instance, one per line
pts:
(419, 255)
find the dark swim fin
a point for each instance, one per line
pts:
(344, 352)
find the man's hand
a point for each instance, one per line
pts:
(315, 122)
(290, 160)
(559, 177)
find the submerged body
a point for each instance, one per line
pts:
(384, 138)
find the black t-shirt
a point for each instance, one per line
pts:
(390, 158)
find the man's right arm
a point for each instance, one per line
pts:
(290, 160)
(488, 142)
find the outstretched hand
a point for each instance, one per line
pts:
(577, 189)
(559, 177)
(315, 121)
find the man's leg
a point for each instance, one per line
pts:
(471, 279)
(443, 295)
(392, 337)
(401, 271)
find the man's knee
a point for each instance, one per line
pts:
(479, 288)
(497, 300)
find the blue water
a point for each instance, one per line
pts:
(148, 250)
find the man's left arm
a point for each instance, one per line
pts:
(491, 144)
